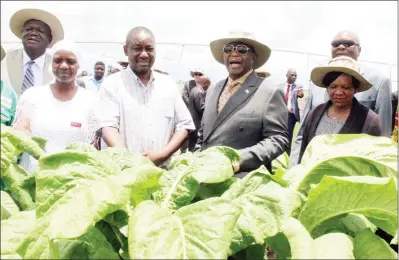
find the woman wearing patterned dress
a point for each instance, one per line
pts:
(342, 114)
(60, 112)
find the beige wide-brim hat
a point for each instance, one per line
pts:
(196, 70)
(19, 19)
(3, 53)
(263, 74)
(340, 64)
(262, 51)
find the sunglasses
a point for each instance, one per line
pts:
(197, 74)
(346, 43)
(241, 49)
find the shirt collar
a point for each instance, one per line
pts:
(153, 76)
(242, 78)
(98, 81)
(39, 61)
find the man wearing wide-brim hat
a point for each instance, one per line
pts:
(31, 65)
(244, 111)
(342, 113)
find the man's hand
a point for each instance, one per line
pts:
(236, 167)
(156, 157)
(299, 92)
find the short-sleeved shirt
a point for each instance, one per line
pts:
(8, 104)
(146, 116)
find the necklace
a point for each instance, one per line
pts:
(335, 117)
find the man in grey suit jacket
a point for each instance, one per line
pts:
(244, 111)
(377, 98)
(196, 106)
(292, 92)
(189, 85)
(38, 31)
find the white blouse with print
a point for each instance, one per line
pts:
(59, 122)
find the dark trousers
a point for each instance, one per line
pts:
(189, 144)
(291, 125)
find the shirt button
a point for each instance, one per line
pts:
(241, 129)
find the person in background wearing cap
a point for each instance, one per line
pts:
(342, 114)
(8, 100)
(60, 112)
(243, 111)
(377, 98)
(31, 65)
(189, 85)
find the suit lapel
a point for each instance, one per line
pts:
(211, 108)
(246, 90)
(15, 70)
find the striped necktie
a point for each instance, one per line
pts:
(28, 79)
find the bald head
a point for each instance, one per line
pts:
(291, 76)
(346, 43)
(204, 82)
(140, 50)
(140, 32)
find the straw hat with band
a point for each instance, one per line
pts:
(340, 64)
(261, 50)
(22, 16)
(3, 53)
(263, 74)
(197, 70)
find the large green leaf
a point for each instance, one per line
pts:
(202, 230)
(20, 185)
(91, 245)
(8, 205)
(282, 162)
(180, 184)
(13, 142)
(367, 245)
(209, 190)
(344, 155)
(350, 224)
(329, 246)
(125, 158)
(333, 246)
(265, 206)
(375, 198)
(14, 230)
(77, 181)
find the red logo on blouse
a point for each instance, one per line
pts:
(76, 124)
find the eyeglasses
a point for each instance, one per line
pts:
(241, 49)
(346, 43)
(197, 74)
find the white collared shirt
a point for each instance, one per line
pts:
(289, 95)
(37, 68)
(146, 116)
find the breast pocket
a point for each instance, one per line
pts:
(165, 114)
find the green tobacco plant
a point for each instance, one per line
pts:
(111, 204)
